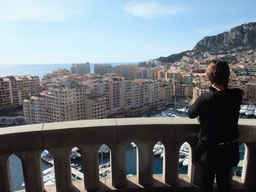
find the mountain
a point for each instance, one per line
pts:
(239, 38)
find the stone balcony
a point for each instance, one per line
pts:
(28, 142)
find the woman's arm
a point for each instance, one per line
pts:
(196, 108)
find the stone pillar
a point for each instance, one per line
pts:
(194, 169)
(118, 164)
(91, 166)
(145, 163)
(32, 170)
(249, 171)
(171, 163)
(62, 168)
(5, 174)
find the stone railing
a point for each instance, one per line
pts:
(28, 142)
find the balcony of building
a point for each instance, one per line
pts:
(28, 142)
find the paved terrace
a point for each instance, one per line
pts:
(27, 142)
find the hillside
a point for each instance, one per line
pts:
(239, 38)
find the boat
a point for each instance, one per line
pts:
(250, 110)
(254, 113)
(157, 146)
(243, 109)
(104, 149)
(182, 157)
(185, 161)
(75, 154)
(159, 152)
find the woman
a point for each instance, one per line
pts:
(218, 112)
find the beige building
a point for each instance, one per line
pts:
(250, 90)
(199, 91)
(95, 108)
(14, 89)
(81, 69)
(56, 105)
(184, 90)
(167, 92)
(101, 69)
(129, 71)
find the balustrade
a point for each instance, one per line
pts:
(29, 141)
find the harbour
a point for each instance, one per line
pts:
(104, 158)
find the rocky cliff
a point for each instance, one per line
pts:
(243, 35)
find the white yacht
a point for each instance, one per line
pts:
(185, 161)
(254, 113)
(243, 109)
(250, 110)
(104, 149)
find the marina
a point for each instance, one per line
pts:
(104, 157)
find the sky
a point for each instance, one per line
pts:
(111, 31)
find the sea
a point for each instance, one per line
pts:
(39, 69)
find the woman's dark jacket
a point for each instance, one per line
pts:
(218, 115)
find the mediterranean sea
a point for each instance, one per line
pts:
(38, 69)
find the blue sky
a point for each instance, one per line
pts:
(111, 31)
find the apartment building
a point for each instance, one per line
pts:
(199, 91)
(56, 105)
(250, 90)
(5, 93)
(81, 69)
(95, 108)
(129, 71)
(14, 89)
(184, 90)
(146, 73)
(167, 92)
(101, 69)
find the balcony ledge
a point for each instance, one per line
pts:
(158, 185)
(28, 142)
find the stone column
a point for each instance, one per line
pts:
(91, 166)
(62, 168)
(171, 163)
(145, 163)
(32, 170)
(194, 169)
(249, 171)
(118, 164)
(5, 174)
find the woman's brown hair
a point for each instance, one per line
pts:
(218, 72)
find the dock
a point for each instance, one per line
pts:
(75, 173)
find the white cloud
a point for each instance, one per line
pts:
(152, 9)
(39, 10)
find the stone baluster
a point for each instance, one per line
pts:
(91, 166)
(194, 168)
(5, 174)
(62, 168)
(118, 164)
(249, 171)
(145, 162)
(171, 162)
(32, 170)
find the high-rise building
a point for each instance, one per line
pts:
(250, 90)
(146, 73)
(14, 89)
(81, 69)
(167, 92)
(129, 71)
(101, 69)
